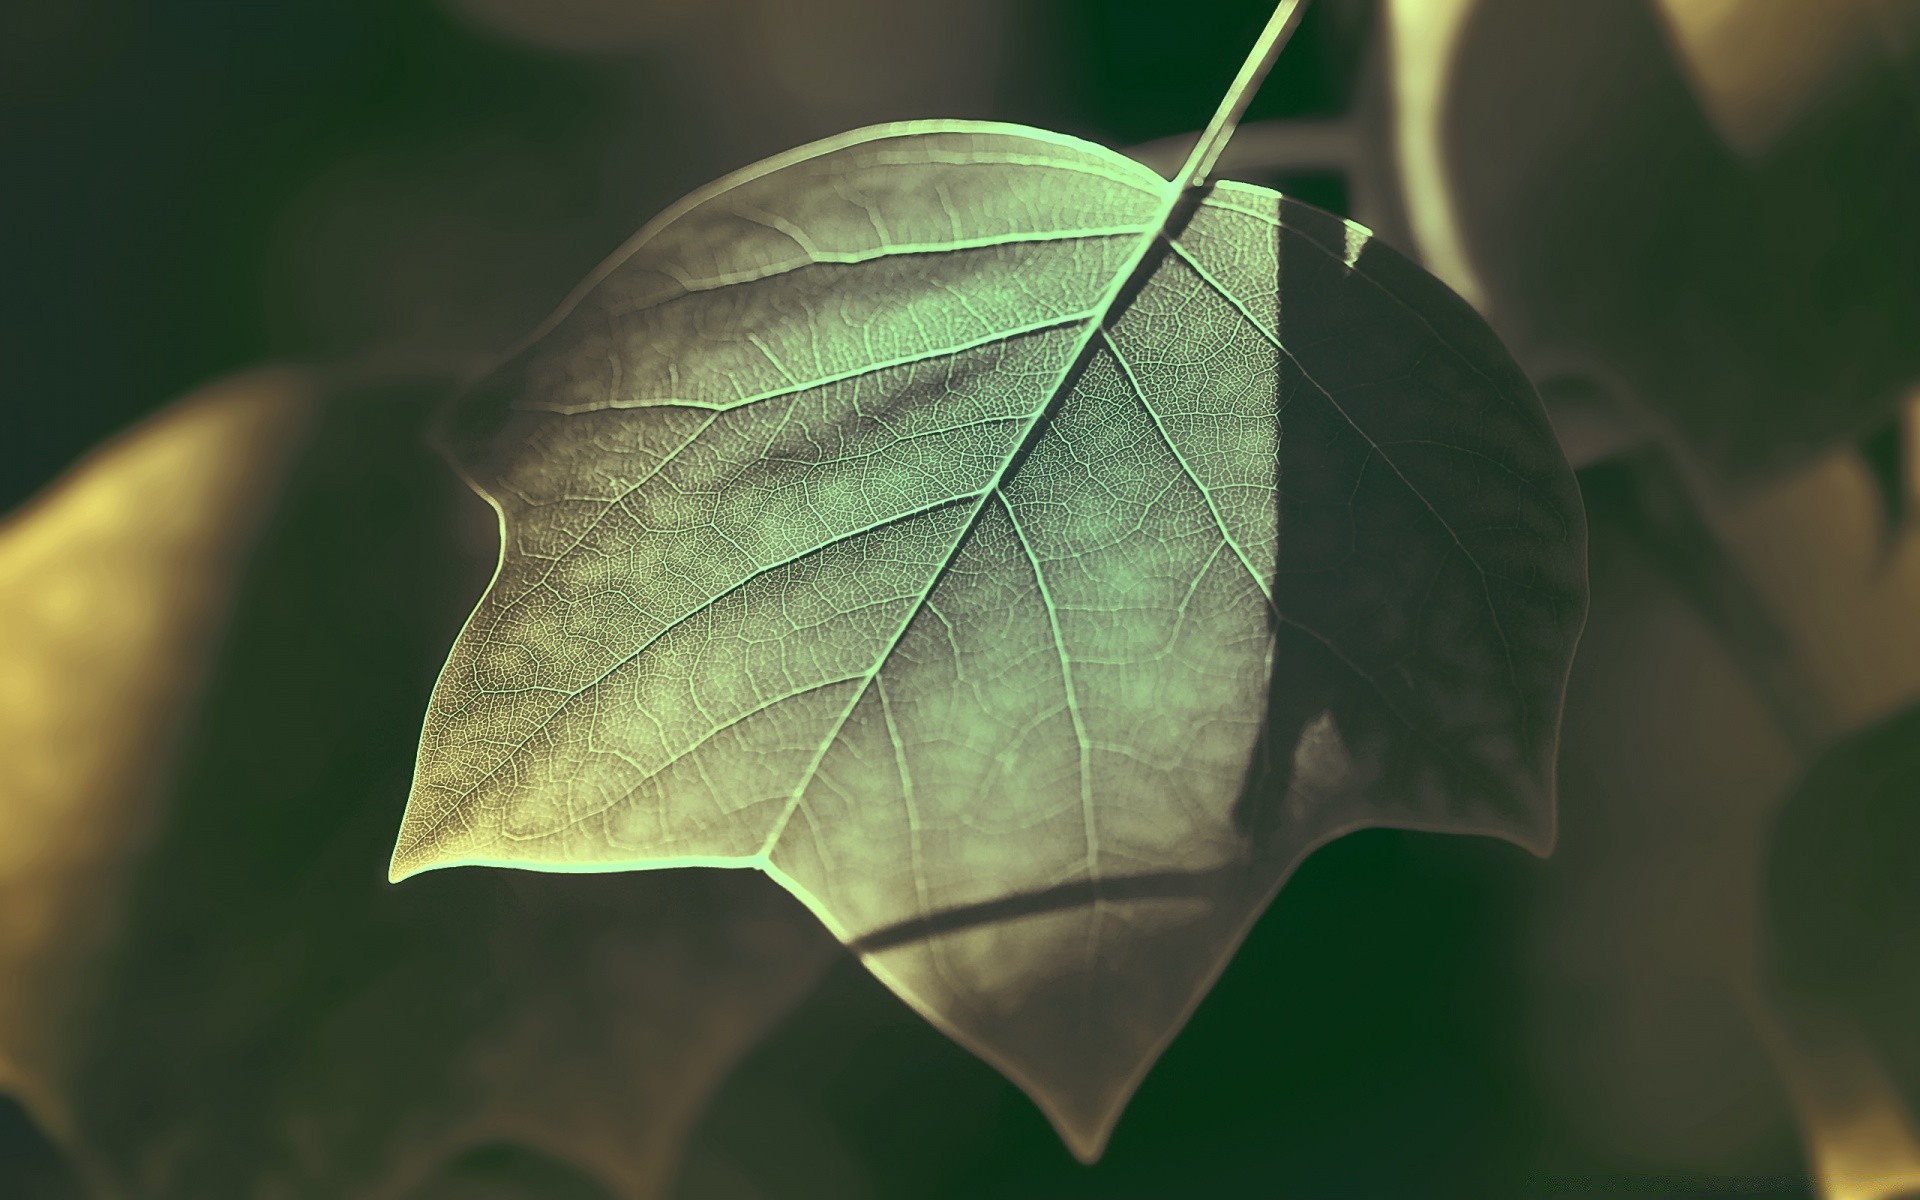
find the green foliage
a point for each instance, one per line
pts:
(1026, 564)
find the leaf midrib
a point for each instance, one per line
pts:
(1155, 232)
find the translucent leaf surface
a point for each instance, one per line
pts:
(1024, 566)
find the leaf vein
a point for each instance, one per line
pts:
(1486, 583)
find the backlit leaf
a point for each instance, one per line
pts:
(1023, 564)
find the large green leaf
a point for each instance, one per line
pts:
(1023, 559)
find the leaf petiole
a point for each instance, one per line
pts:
(1253, 72)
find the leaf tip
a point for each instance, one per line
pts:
(1077, 1073)
(1085, 1142)
(411, 857)
(1537, 835)
(427, 841)
(1084, 1119)
(1085, 1106)
(399, 871)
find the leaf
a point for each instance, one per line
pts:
(1762, 68)
(1860, 1133)
(223, 997)
(1738, 266)
(1662, 1038)
(109, 610)
(995, 544)
(1641, 942)
(1844, 961)
(1840, 577)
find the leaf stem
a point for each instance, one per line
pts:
(1253, 72)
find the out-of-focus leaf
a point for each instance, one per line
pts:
(1843, 584)
(1844, 918)
(1654, 500)
(1560, 170)
(1862, 1140)
(1026, 582)
(1422, 38)
(1759, 67)
(1644, 928)
(1655, 1022)
(264, 1014)
(113, 587)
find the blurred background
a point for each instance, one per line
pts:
(245, 248)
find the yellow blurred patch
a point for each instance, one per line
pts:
(1758, 66)
(1817, 548)
(114, 585)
